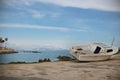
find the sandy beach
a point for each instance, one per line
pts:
(63, 70)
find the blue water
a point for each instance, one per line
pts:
(32, 57)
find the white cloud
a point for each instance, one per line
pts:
(33, 27)
(55, 14)
(36, 14)
(43, 27)
(107, 5)
(15, 3)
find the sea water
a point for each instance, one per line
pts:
(32, 57)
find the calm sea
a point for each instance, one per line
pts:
(32, 57)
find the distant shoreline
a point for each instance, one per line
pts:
(31, 51)
(7, 51)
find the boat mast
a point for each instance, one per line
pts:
(113, 41)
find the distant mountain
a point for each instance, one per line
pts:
(34, 48)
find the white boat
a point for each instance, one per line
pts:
(93, 52)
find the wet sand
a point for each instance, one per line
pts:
(64, 70)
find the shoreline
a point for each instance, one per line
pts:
(7, 51)
(63, 70)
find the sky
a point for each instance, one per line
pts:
(59, 23)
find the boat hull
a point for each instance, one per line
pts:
(93, 57)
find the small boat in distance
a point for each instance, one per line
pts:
(93, 52)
